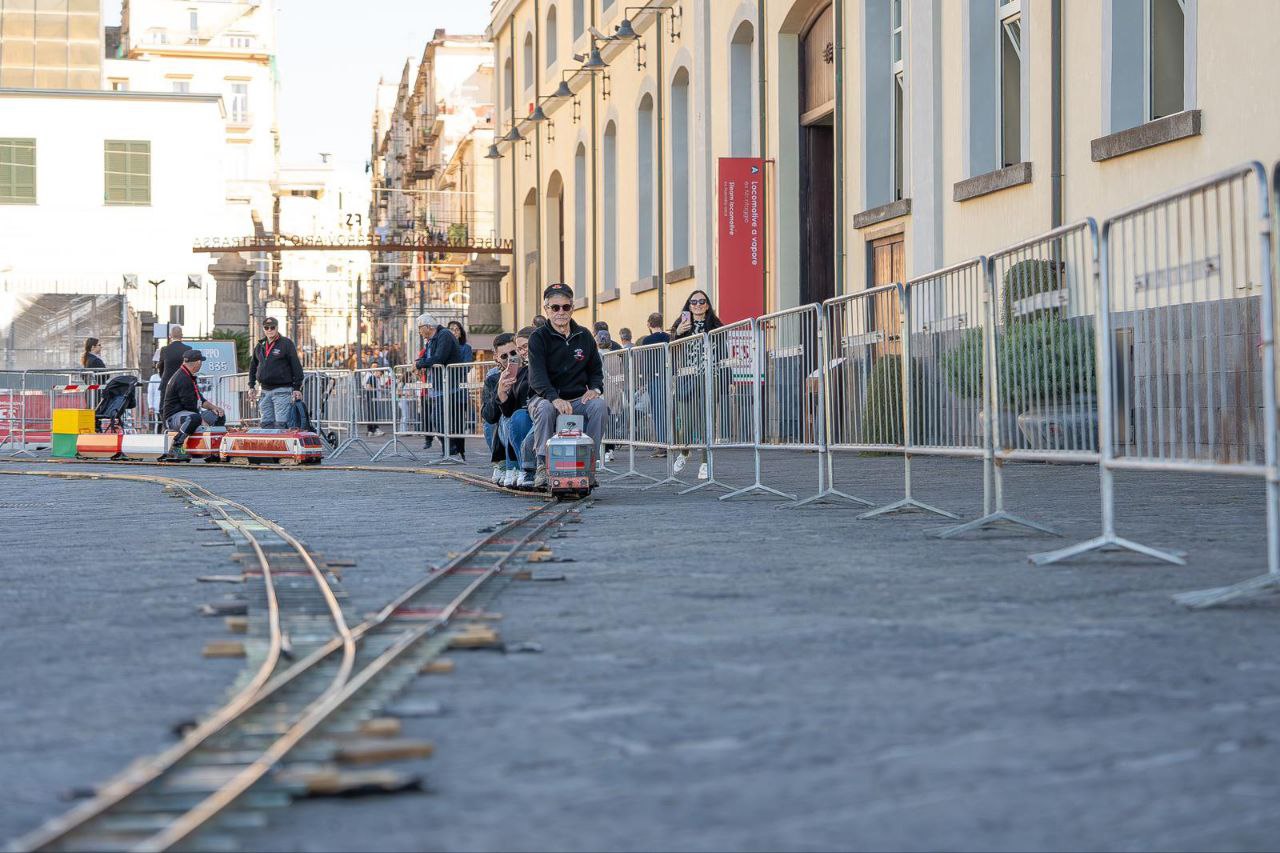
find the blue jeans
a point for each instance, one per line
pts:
(274, 406)
(518, 427)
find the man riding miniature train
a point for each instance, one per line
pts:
(565, 375)
(185, 408)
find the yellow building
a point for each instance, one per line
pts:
(898, 136)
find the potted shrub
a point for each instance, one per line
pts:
(964, 370)
(882, 411)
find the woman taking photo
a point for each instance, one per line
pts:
(696, 318)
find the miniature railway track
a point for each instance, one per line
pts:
(442, 473)
(224, 772)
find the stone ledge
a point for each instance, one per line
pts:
(644, 285)
(609, 295)
(580, 302)
(683, 273)
(991, 182)
(884, 212)
(1168, 129)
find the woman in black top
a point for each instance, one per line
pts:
(92, 356)
(696, 317)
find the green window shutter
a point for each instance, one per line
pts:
(127, 172)
(17, 171)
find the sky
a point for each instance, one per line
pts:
(331, 54)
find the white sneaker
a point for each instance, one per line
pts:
(509, 477)
(522, 481)
(678, 465)
(702, 471)
(498, 473)
(600, 464)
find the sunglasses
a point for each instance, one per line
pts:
(269, 327)
(697, 302)
(503, 356)
(567, 307)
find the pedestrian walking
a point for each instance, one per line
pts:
(696, 318)
(566, 377)
(439, 350)
(275, 366)
(185, 407)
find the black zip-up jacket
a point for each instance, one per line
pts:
(564, 366)
(519, 396)
(171, 361)
(441, 351)
(282, 369)
(181, 395)
(490, 408)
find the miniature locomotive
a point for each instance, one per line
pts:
(283, 446)
(212, 444)
(571, 459)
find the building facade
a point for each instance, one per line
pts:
(50, 44)
(897, 136)
(430, 176)
(105, 193)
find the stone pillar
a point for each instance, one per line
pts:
(231, 308)
(484, 314)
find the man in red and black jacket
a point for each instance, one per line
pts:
(278, 369)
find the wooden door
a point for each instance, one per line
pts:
(888, 266)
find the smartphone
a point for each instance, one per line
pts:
(685, 317)
(513, 365)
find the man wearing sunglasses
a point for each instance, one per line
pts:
(566, 376)
(275, 365)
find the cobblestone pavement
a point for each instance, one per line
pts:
(714, 675)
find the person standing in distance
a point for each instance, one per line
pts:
(170, 360)
(276, 366)
(566, 377)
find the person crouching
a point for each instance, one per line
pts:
(185, 408)
(566, 377)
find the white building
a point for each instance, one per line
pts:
(108, 189)
(215, 47)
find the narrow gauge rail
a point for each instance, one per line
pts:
(287, 601)
(449, 473)
(187, 793)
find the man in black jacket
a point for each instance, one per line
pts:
(276, 366)
(169, 358)
(440, 349)
(185, 408)
(566, 376)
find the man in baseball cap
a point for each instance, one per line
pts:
(185, 407)
(566, 376)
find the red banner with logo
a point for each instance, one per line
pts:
(741, 262)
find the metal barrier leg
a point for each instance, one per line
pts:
(993, 518)
(1108, 541)
(711, 477)
(827, 490)
(907, 503)
(757, 486)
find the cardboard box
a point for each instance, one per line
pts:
(73, 421)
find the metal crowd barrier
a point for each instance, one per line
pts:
(692, 404)
(465, 398)
(790, 383)
(1186, 344)
(618, 396)
(651, 418)
(735, 367)
(28, 399)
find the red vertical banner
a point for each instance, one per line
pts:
(740, 271)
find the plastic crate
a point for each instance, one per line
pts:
(64, 446)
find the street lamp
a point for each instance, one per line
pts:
(156, 285)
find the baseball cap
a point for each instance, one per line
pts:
(558, 289)
(192, 355)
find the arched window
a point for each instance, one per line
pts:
(644, 187)
(508, 88)
(680, 169)
(580, 231)
(552, 36)
(609, 196)
(528, 60)
(742, 112)
(579, 18)
(554, 236)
